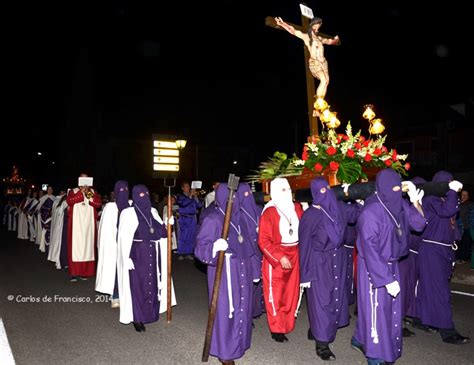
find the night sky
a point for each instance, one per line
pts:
(213, 73)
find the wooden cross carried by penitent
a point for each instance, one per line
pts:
(306, 13)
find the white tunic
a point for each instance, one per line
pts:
(127, 227)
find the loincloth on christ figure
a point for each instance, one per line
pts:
(316, 67)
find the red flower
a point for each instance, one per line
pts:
(345, 138)
(368, 157)
(331, 151)
(388, 163)
(366, 143)
(350, 153)
(362, 138)
(394, 155)
(407, 166)
(357, 145)
(333, 165)
(384, 149)
(377, 152)
(318, 167)
(338, 141)
(304, 156)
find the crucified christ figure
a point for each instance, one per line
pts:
(314, 41)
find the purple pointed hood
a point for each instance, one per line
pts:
(324, 197)
(222, 194)
(238, 249)
(385, 181)
(247, 201)
(121, 194)
(442, 176)
(417, 180)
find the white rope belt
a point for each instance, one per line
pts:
(299, 301)
(453, 245)
(270, 295)
(229, 284)
(289, 244)
(347, 246)
(413, 251)
(373, 309)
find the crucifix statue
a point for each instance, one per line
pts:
(316, 63)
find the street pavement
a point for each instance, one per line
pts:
(44, 327)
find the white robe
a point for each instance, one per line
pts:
(23, 222)
(107, 247)
(32, 220)
(127, 227)
(43, 242)
(57, 223)
(83, 231)
(5, 214)
(12, 219)
(37, 215)
(174, 242)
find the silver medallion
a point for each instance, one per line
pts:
(240, 238)
(290, 231)
(152, 230)
(399, 232)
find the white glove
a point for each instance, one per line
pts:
(305, 285)
(455, 185)
(408, 186)
(393, 288)
(416, 196)
(169, 221)
(345, 188)
(256, 281)
(360, 201)
(219, 245)
(129, 264)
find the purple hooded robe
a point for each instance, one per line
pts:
(232, 330)
(409, 272)
(383, 228)
(436, 257)
(323, 261)
(143, 279)
(250, 213)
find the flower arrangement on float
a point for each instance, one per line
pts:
(346, 155)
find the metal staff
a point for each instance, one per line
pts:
(168, 229)
(232, 185)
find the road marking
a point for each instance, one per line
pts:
(6, 356)
(462, 293)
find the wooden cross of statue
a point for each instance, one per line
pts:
(310, 88)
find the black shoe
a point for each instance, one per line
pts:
(279, 337)
(407, 333)
(457, 340)
(227, 362)
(138, 327)
(356, 345)
(423, 327)
(310, 335)
(325, 353)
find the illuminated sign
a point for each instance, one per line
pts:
(165, 156)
